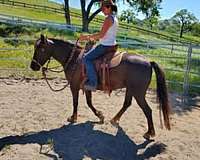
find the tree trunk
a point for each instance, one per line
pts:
(67, 12)
(151, 24)
(84, 16)
(151, 27)
(181, 30)
(85, 27)
(86, 19)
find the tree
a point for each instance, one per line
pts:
(86, 17)
(148, 7)
(151, 21)
(127, 16)
(196, 29)
(185, 20)
(163, 24)
(153, 15)
(67, 12)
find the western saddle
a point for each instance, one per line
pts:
(102, 65)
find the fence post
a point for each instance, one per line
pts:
(186, 76)
(125, 38)
(172, 48)
(147, 43)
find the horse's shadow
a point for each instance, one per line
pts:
(74, 142)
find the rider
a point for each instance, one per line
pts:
(107, 37)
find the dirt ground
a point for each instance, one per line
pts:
(34, 126)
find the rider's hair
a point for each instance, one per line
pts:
(109, 3)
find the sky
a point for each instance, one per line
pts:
(169, 7)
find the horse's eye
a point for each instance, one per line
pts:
(42, 49)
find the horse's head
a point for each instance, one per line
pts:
(42, 53)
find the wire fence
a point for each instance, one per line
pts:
(180, 62)
(45, 8)
(14, 20)
(98, 20)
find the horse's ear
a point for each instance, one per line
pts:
(42, 38)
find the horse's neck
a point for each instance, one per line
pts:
(62, 53)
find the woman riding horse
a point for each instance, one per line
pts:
(107, 37)
(134, 73)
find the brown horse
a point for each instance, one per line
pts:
(133, 73)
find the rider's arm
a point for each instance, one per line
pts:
(106, 25)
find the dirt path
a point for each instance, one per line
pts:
(34, 127)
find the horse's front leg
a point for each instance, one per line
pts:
(99, 114)
(75, 95)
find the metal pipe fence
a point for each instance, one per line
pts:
(36, 23)
(60, 10)
(178, 60)
(181, 61)
(181, 65)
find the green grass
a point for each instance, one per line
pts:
(42, 2)
(20, 59)
(32, 14)
(59, 18)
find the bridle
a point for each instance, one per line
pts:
(66, 65)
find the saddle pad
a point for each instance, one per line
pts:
(115, 61)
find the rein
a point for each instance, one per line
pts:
(46, 69)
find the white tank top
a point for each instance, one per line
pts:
(109, 38)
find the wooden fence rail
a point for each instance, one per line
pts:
(97, 20)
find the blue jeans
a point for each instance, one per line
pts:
(88, 60)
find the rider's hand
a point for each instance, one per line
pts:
(84, 37)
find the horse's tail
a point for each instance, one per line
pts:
(162, 94)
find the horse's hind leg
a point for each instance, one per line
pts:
(127, 103)
(141, 101)
(99, 114)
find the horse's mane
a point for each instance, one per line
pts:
(62, 42)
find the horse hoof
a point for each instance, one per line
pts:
(101, 117)
(114, 122)
(148, 135)
(101, 121)
(72, 119)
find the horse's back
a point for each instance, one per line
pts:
(134, 71)
(135, 59)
